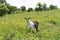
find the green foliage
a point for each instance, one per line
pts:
(12, 9)
(3, 9)
(9, 36)
(7, 9)
(23, 8)
(44, 7)
(30, 9)
(53, 7)
(36, 9)
(2, 1)
(39, 6)
(14, 26)
(53, 22)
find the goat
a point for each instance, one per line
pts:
(32, 24)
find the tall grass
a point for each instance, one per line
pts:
(14, 27)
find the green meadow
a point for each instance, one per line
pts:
(14, 26)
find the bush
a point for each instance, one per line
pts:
(23, 8)
(3, 9)
(52, 7)
(36, 9)
(12, 9)
(30, 9)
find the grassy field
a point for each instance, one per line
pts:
(13, 26)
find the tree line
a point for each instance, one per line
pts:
(6, 8)
(40, 7)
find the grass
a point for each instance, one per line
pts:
(13, 26)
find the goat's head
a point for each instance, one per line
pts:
(27, 19)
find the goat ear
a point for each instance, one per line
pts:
(24, 18)
(29, 17)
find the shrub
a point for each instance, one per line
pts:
(3, 9)
(30, 9)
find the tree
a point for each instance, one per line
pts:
(52, 7)
(44, 7)
(36, 9)
(3, 9)
(39, 6)
(23, 8)
(2, 1)
(30, 9)
(12, 9)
